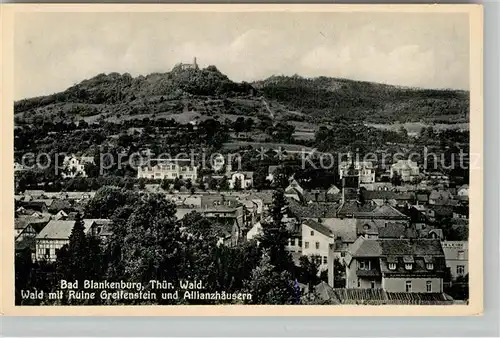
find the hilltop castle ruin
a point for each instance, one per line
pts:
(185, 66)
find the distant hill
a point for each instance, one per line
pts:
(209, 92)
(324, 99)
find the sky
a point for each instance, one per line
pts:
(53, 51)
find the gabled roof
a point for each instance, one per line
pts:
(350, 208)
(312, 210)
(384, 211)
(387, 195)
(60, 229)
(441, 194)
(345, 229)
(318, 227)
(363, 247)
(396, 247)
(396, 230)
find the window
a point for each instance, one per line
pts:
(312, 233)
(362, 265)
(408, 266)
(47, 252)
(317, 245)
(300, 242)
(342, 254)
(372, 284)
(325, 260)
(306, 245)
(56, 251)
(359, 283)
(408, 286)
(460, 270)
(430, 266)
(392, 266)
(428, 286)
(461, 255)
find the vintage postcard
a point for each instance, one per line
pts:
(242, 160)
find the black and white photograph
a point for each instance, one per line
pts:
(243, 158)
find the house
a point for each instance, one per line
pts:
(316, 241)
(333, 190)
(75, 166)
(34, 194)
(168, 169)
(244, 179)
(440, 197)
(437, 177)
(396, 265)
(407, 170)
(36, 222)
(294, 188)
(456, 254)
(52, 238)
(461, 212)
(227, 210)
(56, 234)
(463, 191)
(364, 169)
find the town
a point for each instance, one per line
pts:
(292, 209)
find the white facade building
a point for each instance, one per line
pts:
(168, 169)
(365, 169)
(406, 169)
(75, 166)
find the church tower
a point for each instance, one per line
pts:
(350, 184)
(195, 63)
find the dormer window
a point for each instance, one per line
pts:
(408, 266)
(392, 266)
(429, 266)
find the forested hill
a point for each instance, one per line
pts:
(115, 88)
(209, 92)
(330, 98)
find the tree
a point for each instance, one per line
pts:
(177, 184)
(275, 236)
(338, 274)
(153, 247)
(309, 271)
(237, 184)
(239, 125)
(269, 285)
(396, 179)
(81, 258)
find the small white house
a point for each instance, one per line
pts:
(75, 166)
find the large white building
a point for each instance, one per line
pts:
(365, 169)
(168, 169)
(406, 169)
